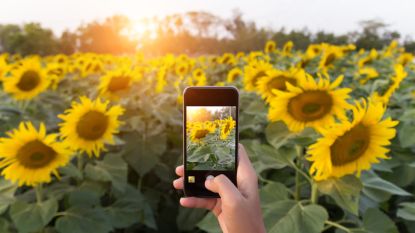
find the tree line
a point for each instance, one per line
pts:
(190, 33)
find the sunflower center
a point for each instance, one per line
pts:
(92, 125)
(350, 146)
(118, 83)
(35, 154)
(310, 105)
(29, 80)
(330, 59)
(201, 133)
(279, 83)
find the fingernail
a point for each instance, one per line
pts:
(209, 177)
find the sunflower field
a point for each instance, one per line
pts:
(211, 144)
(89, 142)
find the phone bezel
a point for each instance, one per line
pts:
(208, 96)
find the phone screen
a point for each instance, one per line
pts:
(210, 139)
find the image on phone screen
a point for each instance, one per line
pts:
(210, 137)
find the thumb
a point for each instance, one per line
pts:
(224, 187)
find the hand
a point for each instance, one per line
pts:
(238, 210)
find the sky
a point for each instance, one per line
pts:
(338, 16)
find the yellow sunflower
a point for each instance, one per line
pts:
(227, 125)
(29, 156)
(367, 73)
(277, 79)
(200, 130)
(270, 46)
(405, 58)
(310, 103)
(88, 125)
(351, 147)
(400, 75)
(372, 56)
(3, 66)
(286, 49)
(56, 72)
(227, 59)
(182, 68)
(255, 70)
(116, 83)
(26, 80)
(329, 55)
(233, 75)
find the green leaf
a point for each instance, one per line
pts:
(378, 188)
(113, 169)
(406, 134)
(32, 217)
(189, 218)
(292, 217)
(142, 154)
(345, 191)
(277, 134)
(210, 224)
(7, 190)
(71, 171)
(130, 207)
(273, 192)
(4, 226)
(83, 220)
(407, 211)
(375, 221)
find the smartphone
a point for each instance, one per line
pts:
(210, 136)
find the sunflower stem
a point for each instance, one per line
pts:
(297, 173)
(314, 193)
(80, 165)
(334, 224)
(39, 192)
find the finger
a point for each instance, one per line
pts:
(194, 202)
(178, 183)
(225, 188)
(245, 168)
(180, 170)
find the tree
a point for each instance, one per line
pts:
(107, 37)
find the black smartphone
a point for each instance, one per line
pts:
(210, 136)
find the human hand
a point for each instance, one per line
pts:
(238, 210)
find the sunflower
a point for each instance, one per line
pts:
(30, 156)
(277, 79)
(88, 125)
(286, 49)
(200, 130)
(372, 56)
(182, 68)
(310, 104)
(200, 77)
(351, 147)
(227, 59)
(405, 58)
(233, 75)
(253, 72)
(400, 75)
(56, 72)
(367, 73)
(329, 55)
(26, 80)
(116, 83)
(270, 47)
(227, 125)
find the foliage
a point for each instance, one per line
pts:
(127, 187)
